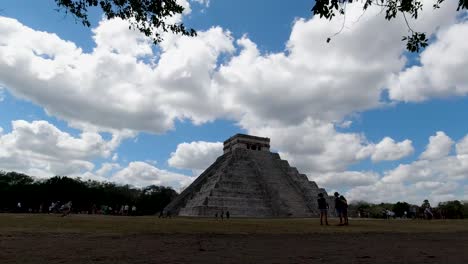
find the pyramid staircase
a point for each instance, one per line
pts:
(249, 183)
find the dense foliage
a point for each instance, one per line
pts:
(445, 210)
(86, 196)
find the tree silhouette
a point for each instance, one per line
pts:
(85, 195)
(426, 204)
(415, 41)
(400, 208)
(452, 209)
(148, 16)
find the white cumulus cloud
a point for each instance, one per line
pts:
(2, 94)
(295, 97)
(439, 146)
(41, 149)
(346, 179)
(388, 149)
(462, 146)
(196, 156)
(123, 84)
(438, 177)
(442, 72)
(143, 174)
(113, 87)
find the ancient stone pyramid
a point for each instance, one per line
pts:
(249, 181)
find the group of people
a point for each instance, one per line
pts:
(54, 207)
(65, 208)
(57, 207)
(341, 207)
(222, 215)
(127, 210)
(124, 210)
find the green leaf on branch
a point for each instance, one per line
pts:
(416, 42)
(148, 16)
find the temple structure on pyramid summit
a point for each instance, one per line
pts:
(249, 181)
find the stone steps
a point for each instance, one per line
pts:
(236, 201)
(238, 193)
(210, 211)
(276, 177)
(250, 184)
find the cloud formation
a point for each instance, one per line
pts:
(195, 156)
(349, 179)
(388, 149)
(142, 174)
(442, 72)
(113, 87)
(123, 85)
(41, 149)
(296, 97)
(438, 176)
(439, 146)
(316, 147)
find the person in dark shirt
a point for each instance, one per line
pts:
(344, 209)
(323, 208)
(338, 207)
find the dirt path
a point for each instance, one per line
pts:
(205, 248)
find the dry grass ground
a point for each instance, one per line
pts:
(37, 223)
(110, 239)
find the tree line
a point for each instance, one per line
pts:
(21, 192)
(444, 210)
(36, 195)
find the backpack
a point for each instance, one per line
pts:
(344, 203)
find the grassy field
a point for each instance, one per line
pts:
(99, 224)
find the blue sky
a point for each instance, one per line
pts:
(359, 115)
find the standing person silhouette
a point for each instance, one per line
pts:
(344, 209)
(323, 208)
(338, 207)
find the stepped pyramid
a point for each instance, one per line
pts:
(249, 181)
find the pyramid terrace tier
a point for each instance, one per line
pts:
(250, 184)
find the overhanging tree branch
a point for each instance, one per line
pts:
(148, 16)
(414, 42)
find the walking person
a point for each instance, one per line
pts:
(66, 208)
(323, 208)
(428, 213)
